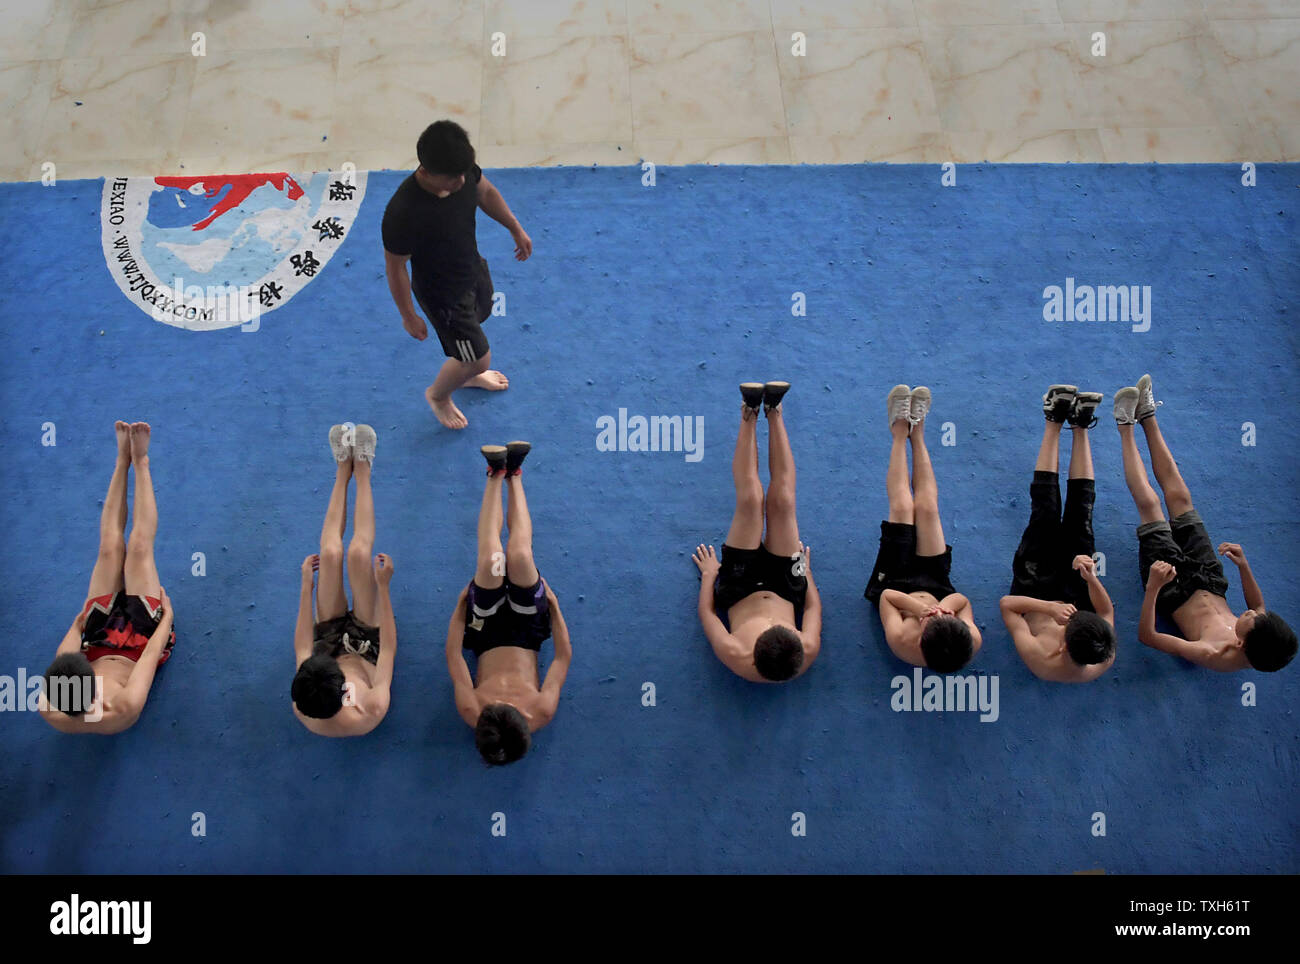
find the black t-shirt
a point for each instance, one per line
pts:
(438, 234)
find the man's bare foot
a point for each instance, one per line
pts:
(139, 440)
(123, 431)
(446, 411)
(491, 379)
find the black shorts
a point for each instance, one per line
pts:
(459, 325)
(1183, 542)
(346, 634)
(509, 615)
(899, 567)
(744, 572)
(1043, 566)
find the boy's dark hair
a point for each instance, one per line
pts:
(501, 734)
(778, 653)
(1270, 644)
(318, 687)
(444, 148)
(70, 684)
(946, 644)
(1089, 639)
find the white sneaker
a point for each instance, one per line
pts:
(1146, 406)
(920, 404)
(340, 443)
(1126, 400)
(363, 446)
(899, 404)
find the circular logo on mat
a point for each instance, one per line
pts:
(214, 252)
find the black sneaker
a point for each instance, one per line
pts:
(515, 454)
(496, 458)
(1083, 413)
(1058, 402)
(752, 393)
(773, 392)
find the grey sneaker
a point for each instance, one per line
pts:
(340, 443)
(899, 404)
(1126, 400)
(363, 445)
(920, 404)
(1058, 402)
(1146, 406)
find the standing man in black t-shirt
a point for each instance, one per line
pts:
(430, 221)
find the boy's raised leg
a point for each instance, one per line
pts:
(746, 530)
(1049, 450)
(898, 483)
(331, 599)
(140, 573)
(489, 571)
(1081, 455)
(782, 524)
(925, 496)
(519, 547)
(107, 577)
(1178, 498)
(361, 574)
(1135, 474)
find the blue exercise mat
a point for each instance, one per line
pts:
(658, 301)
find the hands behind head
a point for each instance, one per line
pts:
(383, 569)
(1233, 552)
(1086, 566)
(1160, 574)
(706, 560)
(1061, 613)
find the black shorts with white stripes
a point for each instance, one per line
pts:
(509, 615)
(460, 325)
